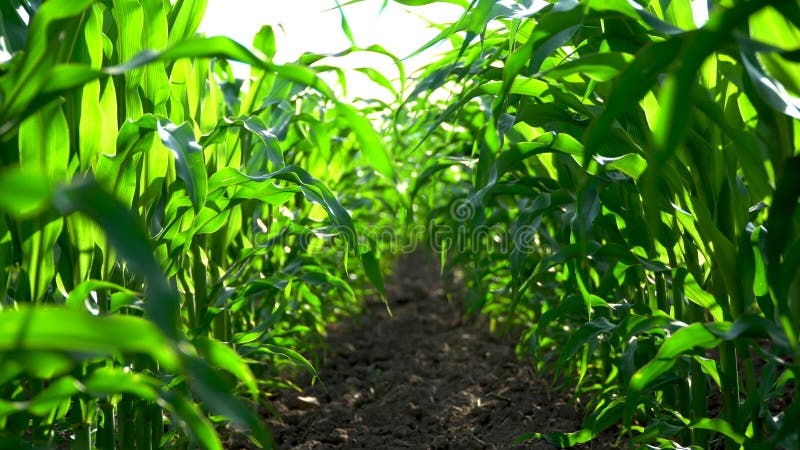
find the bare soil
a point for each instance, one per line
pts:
(425, 378)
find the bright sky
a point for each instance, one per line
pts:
(312, 25)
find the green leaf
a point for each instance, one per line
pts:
(291, 355)
(720, 426)
(769, 25)
(779, 241)
(24, 192)
(588, 207)
(98, 125)
(709, 367)
(195, 421)
(129, 17)
(754, 326)
(696, 335)
(65, 77)
(188, 159)
(44, 364)
(771, 91)
(569, 252)
(567, 440)
(30, 76)
(131, 243)
(53, 396)
(250, 188)
(314, 190)
(107, 381)
(264, 41)
(345, 26)
(630, 164)
(254, 125)
(32, 329)
(619, 253)
(427, 175)
(631, 85)
(697, 295)
(584, 334)
(216, 395)
(378, 78)
(185, 18)
(224, 357)
(369, 141)
(373, 272)
(79, 297)
(596, 66)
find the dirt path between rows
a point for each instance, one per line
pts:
(426, 378)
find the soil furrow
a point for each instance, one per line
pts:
(424, 378)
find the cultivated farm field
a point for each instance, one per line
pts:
(578, 227)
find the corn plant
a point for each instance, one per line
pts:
(158, 243)
(638, 166)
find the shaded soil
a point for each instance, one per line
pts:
(424, 378)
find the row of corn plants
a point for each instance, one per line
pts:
(166, 250)
(619, 183)
(615, 178)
